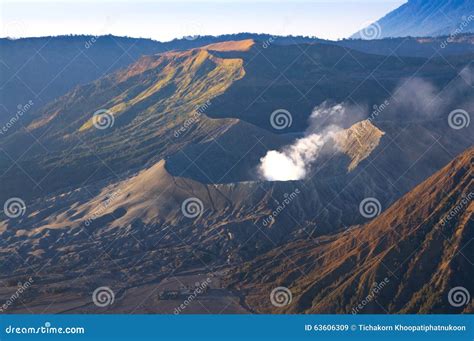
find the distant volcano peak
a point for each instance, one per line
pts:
(423, 18)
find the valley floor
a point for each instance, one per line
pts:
(140, 299)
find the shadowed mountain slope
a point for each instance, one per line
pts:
(424, 18)
(427, 47)
(104, 196)
(206, 112)
(414, 253)
(41, 69)
(44, 68)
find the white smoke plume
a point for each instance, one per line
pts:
(294, 161)
(414, 100)
(418, 99)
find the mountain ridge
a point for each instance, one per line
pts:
(334, 273)
(185, 125)
(423, 18)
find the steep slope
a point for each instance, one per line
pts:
(139, 229)
(404, 261)
(157, 107)
(424, 18)
(41, 69)
(152, 197)
(104, 196)
(44, 68)
(206, 111)
(358, 141)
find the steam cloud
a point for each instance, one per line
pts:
(293, 161)
(413, 100)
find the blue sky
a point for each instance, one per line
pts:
(165, 20)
